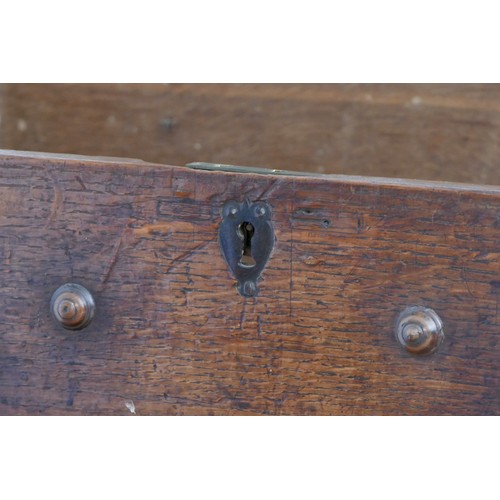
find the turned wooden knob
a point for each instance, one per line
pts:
(72, 306)
(419, 330)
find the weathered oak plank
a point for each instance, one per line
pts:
(173, 336)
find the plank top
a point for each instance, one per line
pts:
(172, 335)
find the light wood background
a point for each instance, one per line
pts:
(439, 132)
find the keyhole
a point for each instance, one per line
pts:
(246, 232)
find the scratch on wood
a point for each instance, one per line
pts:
(56, 202)
(67, 252)
(466, 282)
(181, 258)
(234, 399)
(347, 278)
(79, 180)
(7, 256)
(72, 390)
(269, 190)
(115, 252)
(114, 259)
(243, 314)
(360, 221)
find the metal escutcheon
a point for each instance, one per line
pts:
(246, 238)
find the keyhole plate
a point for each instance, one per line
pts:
(246, 238)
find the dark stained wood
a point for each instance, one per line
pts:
(439, 132)
(171, 334)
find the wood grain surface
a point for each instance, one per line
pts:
(437, 132)
(172, 335)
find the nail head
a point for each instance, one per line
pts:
(419, 330)
(72, 306)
